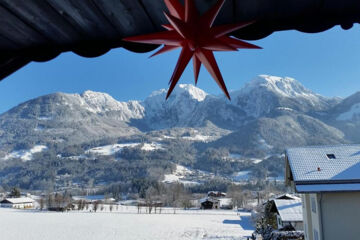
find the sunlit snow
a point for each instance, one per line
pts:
(25, 155)
(125, 223)
(354, 110)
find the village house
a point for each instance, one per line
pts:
(328, 177)
(288, 213)
(20, 203)
(209, 203)
(216, 200)
(284, 211)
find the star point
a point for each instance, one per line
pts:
(198, 39)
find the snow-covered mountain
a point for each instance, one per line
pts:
(179, 110)
(268, 108)
(266, 93)
(86, 136)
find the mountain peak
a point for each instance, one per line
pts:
(282, 86)
(194, 92)
(89, 94)
(181, 89)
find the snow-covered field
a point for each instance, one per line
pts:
(114, 148)
(124, 224)
(25, 155)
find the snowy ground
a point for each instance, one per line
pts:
(25, 155)
(114, 148)
(124, 224)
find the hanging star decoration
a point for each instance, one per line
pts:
(198, 39)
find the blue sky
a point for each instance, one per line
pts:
(327, 63)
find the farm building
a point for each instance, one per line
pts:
(210, 203)
(216, 200)
(328, 177)
(20, 203)
(216, 194)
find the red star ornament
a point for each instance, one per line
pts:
(198, 39)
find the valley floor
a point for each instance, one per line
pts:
(125, 224)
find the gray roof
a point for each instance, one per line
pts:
(289, 210)
(18, 200)
(311, 165)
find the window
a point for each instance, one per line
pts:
(316, 235)
(313, 205)
(331, 156)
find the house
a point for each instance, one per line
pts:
(285, 211)
(216, 194)
(288, 213)
(210, 203)
(20, 203)
(328, 177)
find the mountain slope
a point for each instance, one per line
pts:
(92, 138)
(69, 118)
(278, 110)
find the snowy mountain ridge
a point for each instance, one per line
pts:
(284, 86)
(263, 102)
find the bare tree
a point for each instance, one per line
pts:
(150, 197)
(41, 203)
(59, 200)
(95, 205)
(185, 200)
(50, 201)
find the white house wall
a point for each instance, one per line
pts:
(17, 205)
(315, 216)
(307, 217)
(341, 214)
(311, 216)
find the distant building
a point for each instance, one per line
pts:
(216, 200)
(210, 203)
(20, 203)
(94, 198)
(216, 194)
(328, 178)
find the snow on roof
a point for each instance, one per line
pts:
(325, 164)
(289, 210)
(19, 200)
(285, 196)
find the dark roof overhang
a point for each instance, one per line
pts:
(39, 31)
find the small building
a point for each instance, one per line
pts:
(328, 177)
(288, 213)
(216, 194)
(210, 203)
(19, 203)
